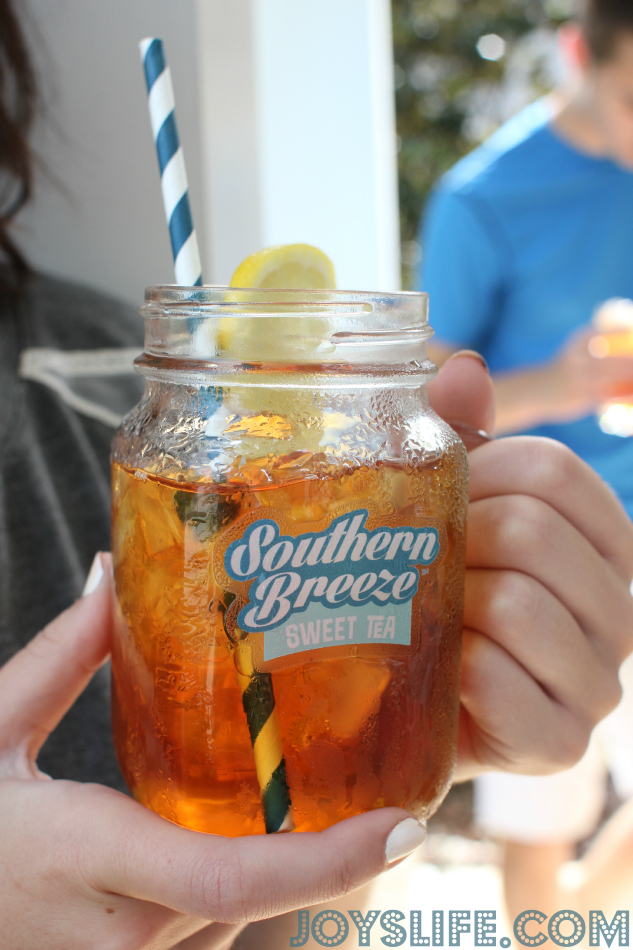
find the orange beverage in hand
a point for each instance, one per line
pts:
(289, 566)
(614, 320)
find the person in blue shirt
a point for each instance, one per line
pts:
(523, 241)
(532, 232)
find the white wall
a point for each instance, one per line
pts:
(285, 112)
(109, 229)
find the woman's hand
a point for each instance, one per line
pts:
(84, 867)
(548, 620)
(549, 616)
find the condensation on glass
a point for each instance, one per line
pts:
(288, 540)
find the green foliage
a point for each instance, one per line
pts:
(449, 97)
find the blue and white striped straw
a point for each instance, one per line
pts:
(171, 162)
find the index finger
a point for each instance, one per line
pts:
(548, 470)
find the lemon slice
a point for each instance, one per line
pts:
(286, 267)
(283, 267)
(271, 338)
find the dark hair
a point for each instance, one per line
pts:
(603, 22)
(18, 103)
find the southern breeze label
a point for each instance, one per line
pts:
(324, 588)
(318, 628)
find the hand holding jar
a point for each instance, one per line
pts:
(540, 667)
(289, 554)
(548, 612)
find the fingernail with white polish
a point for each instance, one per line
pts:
(94, 577)
(403, 839)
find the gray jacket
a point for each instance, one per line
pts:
(66, 378)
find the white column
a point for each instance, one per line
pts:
(299, 133)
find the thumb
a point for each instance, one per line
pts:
(132, 851)
(463, 393)
(41, 682)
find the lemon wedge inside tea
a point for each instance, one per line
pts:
(270, 335)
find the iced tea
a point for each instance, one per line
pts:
(365, 721)
(614, 320)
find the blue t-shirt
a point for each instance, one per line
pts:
(522, 240)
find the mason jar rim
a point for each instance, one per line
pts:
(186, 291)
(209, 296)
(264, 334)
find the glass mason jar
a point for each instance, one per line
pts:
(288, 541)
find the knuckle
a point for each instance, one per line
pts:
(607, 694)
(40, 645)
(623, 644)
(230, 892)
(552, 466)
(477, 672)
(522, 522)
(614, 699)
(513, 599)
(571, 745)
(208, 885)
(226, 892)
(73, 845)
